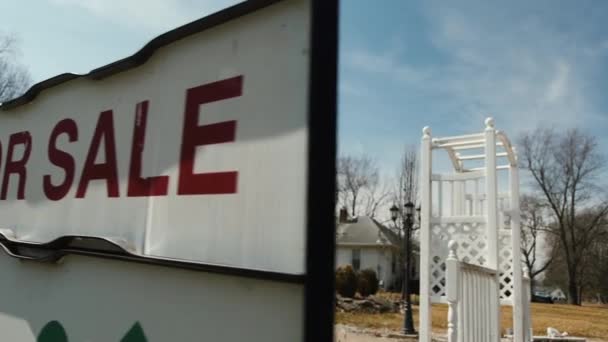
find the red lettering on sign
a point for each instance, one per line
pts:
(191, 183)
(140, 186)
(61, 159)
(107, 170)
(17, 166)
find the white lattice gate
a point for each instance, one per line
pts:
(466, 206)
(467, 286)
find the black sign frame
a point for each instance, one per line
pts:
(322, 123)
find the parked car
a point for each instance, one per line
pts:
(541, 297)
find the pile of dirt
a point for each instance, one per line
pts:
(371, 304)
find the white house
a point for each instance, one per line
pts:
(554, 292)
(558, 295)
(365, 243)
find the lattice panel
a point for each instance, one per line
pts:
(471, 241)
(472, 248)
(505, 262)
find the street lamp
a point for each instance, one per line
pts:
(408, 321)
(394, 213)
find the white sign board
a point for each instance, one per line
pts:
(194, 153)
(199, 154)
(99, 300)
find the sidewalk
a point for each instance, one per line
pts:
(346, 333)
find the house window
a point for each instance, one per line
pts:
(356, 259)
(393, 263)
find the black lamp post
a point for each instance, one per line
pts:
(408, 321)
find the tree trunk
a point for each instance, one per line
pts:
(531, 287)
(573, 291)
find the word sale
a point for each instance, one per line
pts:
(193, 135)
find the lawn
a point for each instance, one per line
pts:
(586, 321)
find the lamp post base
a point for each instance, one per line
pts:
(409, 333)
(407, 337)
(408, 321)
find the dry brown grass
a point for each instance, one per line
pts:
(586, 321)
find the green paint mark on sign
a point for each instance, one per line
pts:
(136, 334)
(54, 332)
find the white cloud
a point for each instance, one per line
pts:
(148, 14)
(558, 86)
(386, 64)
(521, 71)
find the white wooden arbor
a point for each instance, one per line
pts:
(466, 219)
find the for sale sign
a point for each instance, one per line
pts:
(194, 153)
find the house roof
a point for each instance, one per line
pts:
(548, 289)
(365, 231)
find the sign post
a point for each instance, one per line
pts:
(183, 193)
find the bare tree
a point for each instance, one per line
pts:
(533, 226)
(405, 190)
(596, 270)
(356, 174)
(14, 78)
(591, 274)
(565, 167)
(406, 184)
(593, 271)
(375, 197)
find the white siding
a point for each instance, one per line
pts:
(374, 258)
(343, 256)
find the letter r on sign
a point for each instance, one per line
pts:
(193, 135)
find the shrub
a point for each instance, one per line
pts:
(346, 281)
(415, 299)
(367, 283)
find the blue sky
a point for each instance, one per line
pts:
(448, 65)
(403, 64)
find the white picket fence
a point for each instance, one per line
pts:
(526, 306)
(471, 318)
(481, 215)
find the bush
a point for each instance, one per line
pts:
(367, 283)
(415, 299)
(346, 281)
